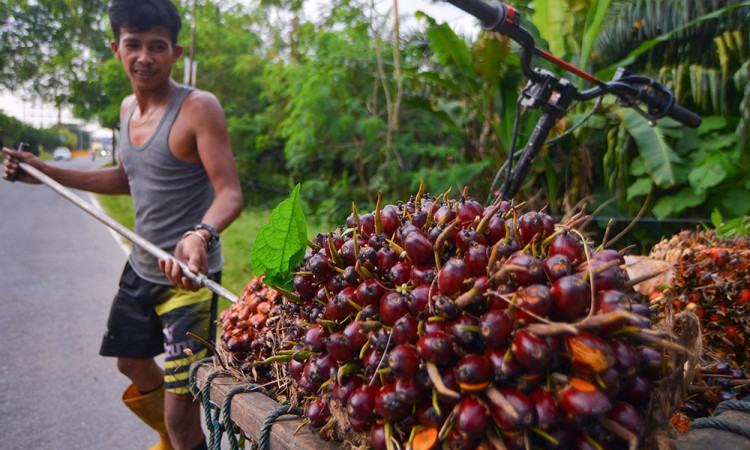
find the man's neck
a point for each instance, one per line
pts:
(155, 98)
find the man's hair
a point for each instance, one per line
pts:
(143, 15)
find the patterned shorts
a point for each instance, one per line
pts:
(148, 319)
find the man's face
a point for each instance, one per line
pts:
(147, 57)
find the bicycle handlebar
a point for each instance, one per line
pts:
(630, 89)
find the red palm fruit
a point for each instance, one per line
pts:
(400, 273)
(419, 218)
(422, 275)
(369, 292)
(610, 382)
(419, 248)
(524, 269)
(495, 229)
(379, 338)
(464, 238)
(315, 338)
(627, 358)
(528, 382)
(473, 373)
(387, 258)
(436, 347)
(533, 300)
(445, 307)
(368, 257)
(342, 391)
(444, 214)
(317, 413)
(295, 368)
(612, 300)
(419, 298)
(360, 426)
(495, 327)
(355, 334)
(371, 361)
(531, 226)
(636, 390)
(320, 266)
(347, 250)
(304, 286)
(511, 409)
(393, 306)
(336, 240)
(361, 403)
(566, 244)
(572, 297)
(390, 219)
(602, 275)
(579, 397)
(465, 332)
(452, 276)
(434, 324)
(652, 362)
(388, 405)
(530, 350)
(448, 378)
(467, 211)
(337, 345)
(341, 305)
(549, 224)
(403, 361)
(366, 226)
(607, 255)
(557, 266)
(472, 416)
(476, 258)
(498, 298)
(547, 412)
(378, 437)
(411, 390)
(628, 417)
(428, 416)
(589, 354)
(405, 330)
(503, 364)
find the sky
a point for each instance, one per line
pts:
(43, 115)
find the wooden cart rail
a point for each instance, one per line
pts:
(250, 411)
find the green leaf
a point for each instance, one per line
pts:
(641, 187)
(674, 204)
(711, 143)
(711, 123)
(707, 175)
(653, 147)
(716, 218)
(280, 245)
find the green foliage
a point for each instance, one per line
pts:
(281, 244)
(737, 227)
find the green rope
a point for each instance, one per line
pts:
(227, 409)
(725, 425)
(264, 439)
(213, 413)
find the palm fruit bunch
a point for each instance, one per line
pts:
(442, 323)
(711, 278)
(247, 334)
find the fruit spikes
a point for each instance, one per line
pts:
(441, 323)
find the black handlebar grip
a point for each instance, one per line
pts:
(684, 116)
(490, 15)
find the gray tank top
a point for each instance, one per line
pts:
(170, 196)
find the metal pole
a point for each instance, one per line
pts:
(199, 278)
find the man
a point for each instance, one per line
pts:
(176, 161)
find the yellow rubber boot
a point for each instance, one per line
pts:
(150, 409)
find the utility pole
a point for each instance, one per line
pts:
(191, 63)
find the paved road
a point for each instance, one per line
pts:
(58, 273)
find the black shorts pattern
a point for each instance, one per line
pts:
(147, 319)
